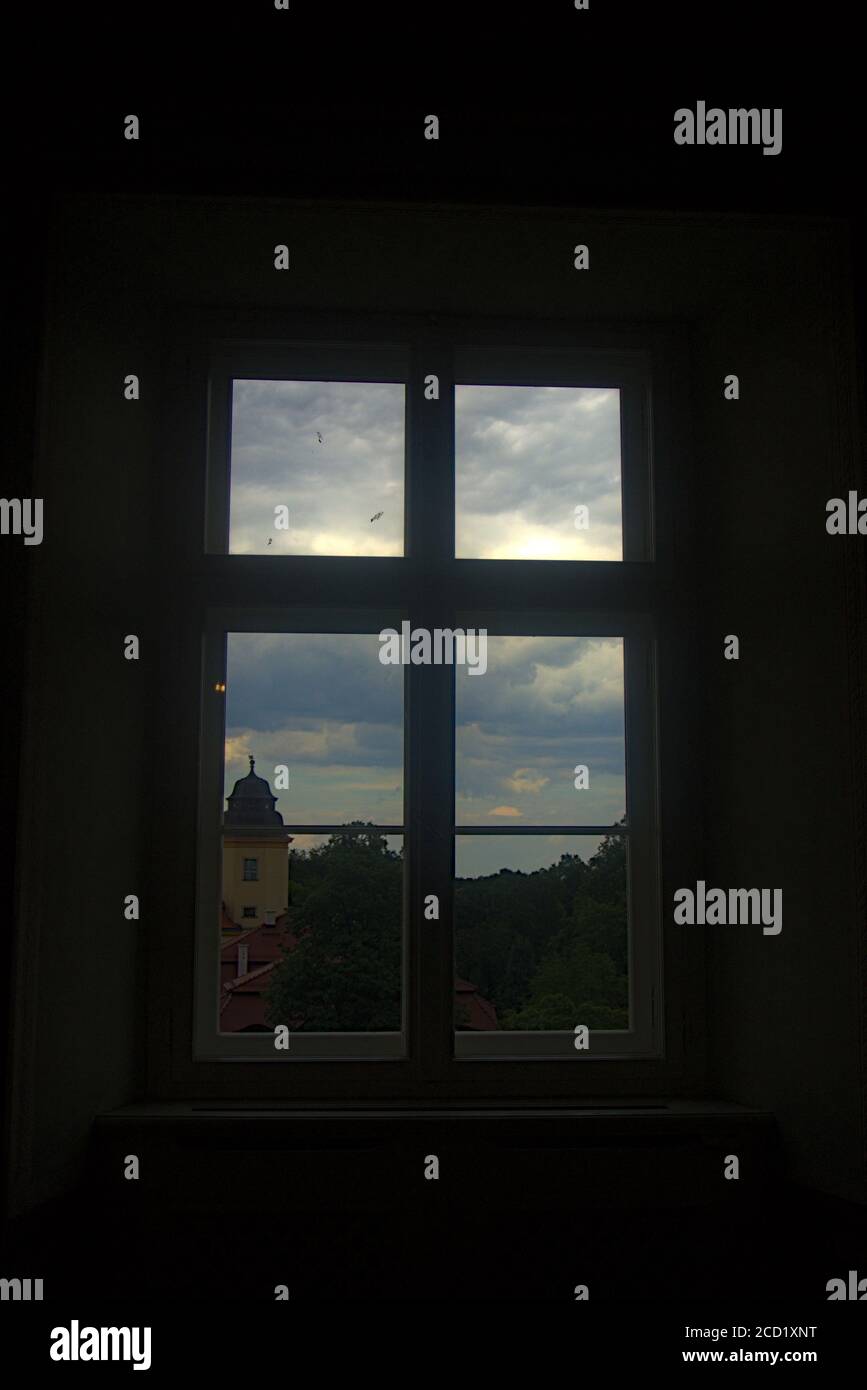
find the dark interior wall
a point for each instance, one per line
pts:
(82, 829)
(783, 757)
(756, 295)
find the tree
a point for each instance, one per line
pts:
(548, 1011)
(520, 966)
(547, 948)
(508, 923)
(344, 973)
(574, 985)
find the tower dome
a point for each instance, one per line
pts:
(252, 803)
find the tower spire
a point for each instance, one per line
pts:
(252, 803)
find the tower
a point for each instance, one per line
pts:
(255, 854)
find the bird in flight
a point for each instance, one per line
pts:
(319, 437)
(270, 538)
(377, 516)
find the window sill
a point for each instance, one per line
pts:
(223, 1157)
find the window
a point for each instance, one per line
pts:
(249, 912)
(531, 463)
(541, 916)
(330, 716)
(251, 870)
(305, 459)
(466, 861)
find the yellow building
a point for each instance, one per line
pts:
(255, 854)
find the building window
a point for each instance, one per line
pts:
(473, 853)
(251, 870)
(249, 911)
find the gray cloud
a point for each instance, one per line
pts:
(332, 488)
(526, 456)
(324, 705)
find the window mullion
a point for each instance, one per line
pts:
(430, 484)
(430, 792)
(430, 800)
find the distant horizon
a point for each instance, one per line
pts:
(585, 846)
(325, 707)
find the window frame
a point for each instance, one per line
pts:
(646, 999)
(209, 1043)
(638, 594)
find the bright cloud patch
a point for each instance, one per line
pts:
(331, 453)
(524, 781)
(526, 457)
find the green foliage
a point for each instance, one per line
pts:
(543, 1011)
(601, 927)
(520, 966)
(548, 949)
(575, 985)
(344, 973)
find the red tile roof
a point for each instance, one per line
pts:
(265, 949)
(480, 1012)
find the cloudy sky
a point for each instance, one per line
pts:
(326, 707)
(333, 454)
(332, 488)
(525, 457)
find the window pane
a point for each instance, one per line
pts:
(313, 734)
(544, 707)
(320, 712)
(331, 960)
(313, 463)
(541, 937)
(526, 458)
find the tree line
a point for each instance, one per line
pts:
(548, 948)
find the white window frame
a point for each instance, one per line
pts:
(210, 1043)
(482, 363)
